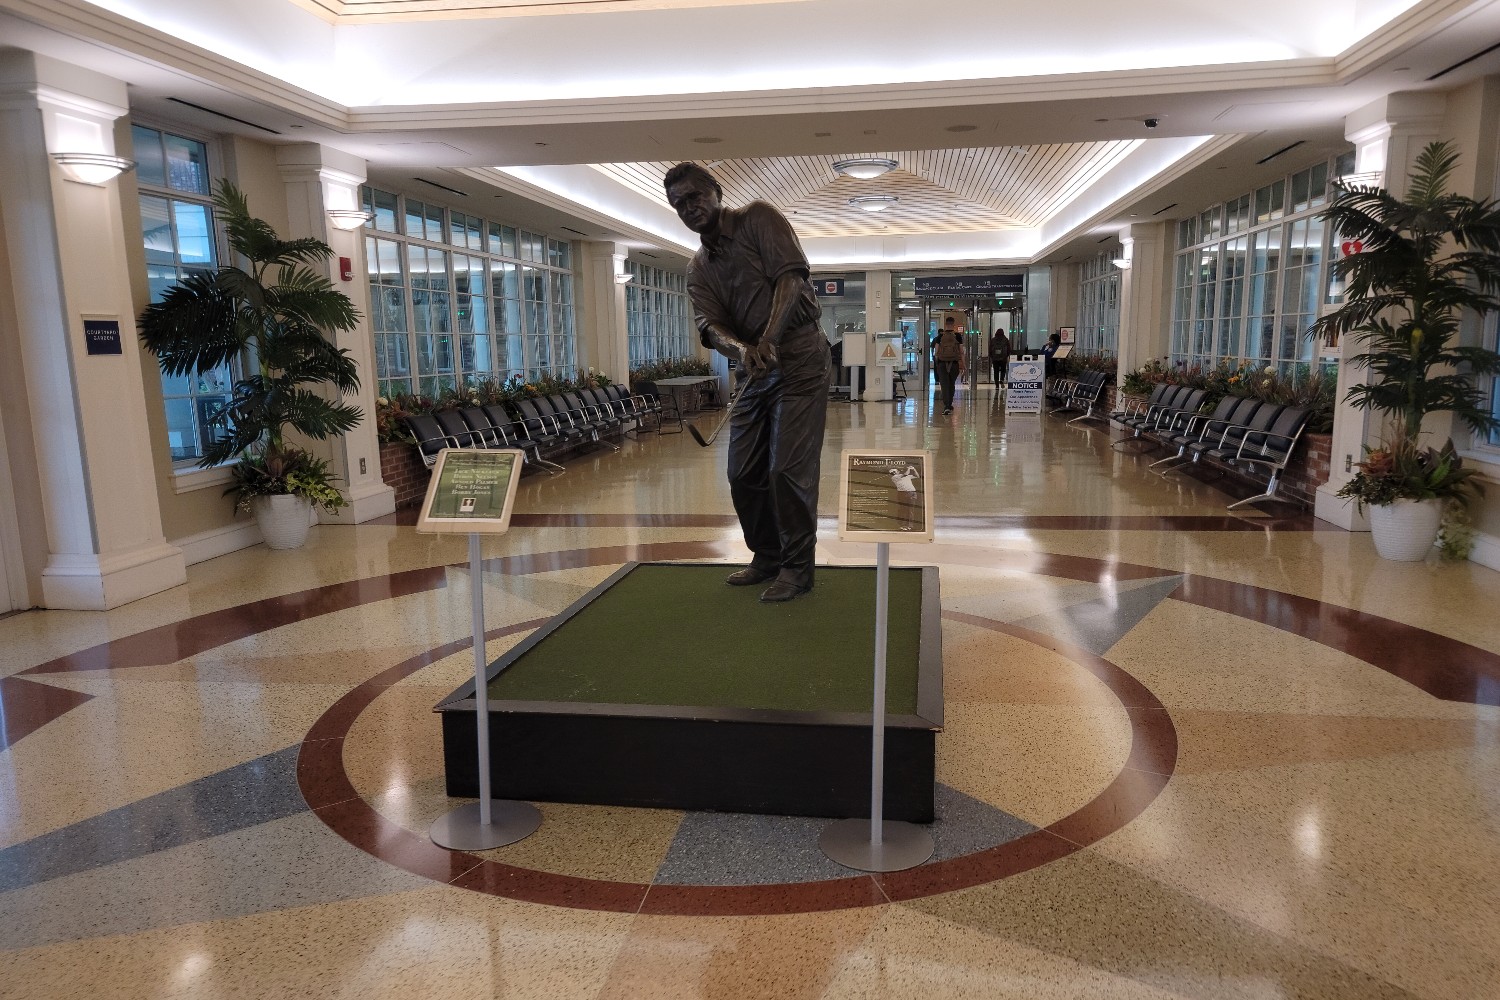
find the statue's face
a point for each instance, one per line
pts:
(696, 202)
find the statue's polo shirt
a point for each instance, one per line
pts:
(733, 280)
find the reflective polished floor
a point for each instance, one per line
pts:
(1187, 754)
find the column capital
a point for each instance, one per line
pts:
(30, 80)
(1403, 109)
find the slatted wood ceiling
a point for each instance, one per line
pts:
(941, 190)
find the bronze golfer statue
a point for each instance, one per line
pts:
(754, 303)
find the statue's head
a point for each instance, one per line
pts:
(694, 195)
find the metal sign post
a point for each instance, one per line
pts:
(474, 491)
(883, 497)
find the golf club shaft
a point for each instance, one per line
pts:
(734, 397)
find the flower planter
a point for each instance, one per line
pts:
(1404, 531)
(283, 520)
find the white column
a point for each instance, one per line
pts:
(1144, 327)
(318, 179)
(603, 342)
(66, 251)
(1387, 135)
(879, 318)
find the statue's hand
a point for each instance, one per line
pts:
(759, 358)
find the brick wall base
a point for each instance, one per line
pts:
(402, 470)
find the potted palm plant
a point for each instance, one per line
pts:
(1426, 260)
(273, 315)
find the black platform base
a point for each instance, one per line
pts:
(725, 759)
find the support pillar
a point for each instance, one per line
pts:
(67, 264)
(603, 342)
(879, 318)
(1144, 326)
(1387, 135)
(318, 179)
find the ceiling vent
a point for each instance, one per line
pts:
(441, 187)
(1283, 149)
(1464, 62)
(220, 114)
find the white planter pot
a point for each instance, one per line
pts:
(283, 520)
(1405, 530)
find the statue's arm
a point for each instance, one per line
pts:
(760, 357)
(717, 337)
(785, 296)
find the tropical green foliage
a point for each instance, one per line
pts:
(1426, 260)
(276, 314)
(1076, 364)
(1407, 472)
(390, 412)
(1308, 386)
(670, 368)
(290, 470)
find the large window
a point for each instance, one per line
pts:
(1250, 274)
(658, 316)
(456, 299)
(1099, 307)
(177, 222)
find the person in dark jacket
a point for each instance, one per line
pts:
(1053, 343)
(948, 360)
(999, 355)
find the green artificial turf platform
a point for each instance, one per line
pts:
(679, 635)
(663, 686)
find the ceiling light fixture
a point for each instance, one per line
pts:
(864, 167)
(874, 202)
(92, 168)
(348, 218)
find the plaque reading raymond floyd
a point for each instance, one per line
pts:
(472, 490)
(885, 496)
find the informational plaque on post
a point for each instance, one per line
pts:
(1024, 394)
(472, 491)
(884, 496)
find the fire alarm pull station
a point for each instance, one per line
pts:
(346, 269)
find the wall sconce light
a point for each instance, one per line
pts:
(1363, 179)
(1121, 262)
(92, 168)
(864, 167)
(348, 218)
(624, 278)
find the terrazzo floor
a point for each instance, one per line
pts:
(1186, 754)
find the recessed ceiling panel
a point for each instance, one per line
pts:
(939, 191)
(346, 11)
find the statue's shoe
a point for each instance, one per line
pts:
(781, 591)
(749, 577)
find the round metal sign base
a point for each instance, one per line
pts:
(902, 846)
(461, 830)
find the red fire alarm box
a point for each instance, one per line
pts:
(346, 269)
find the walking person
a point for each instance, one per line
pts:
(999, 355)
(948, 361)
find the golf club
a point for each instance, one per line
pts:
(734, 397)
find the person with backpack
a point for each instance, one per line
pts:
(999, 355)
(948, 361)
